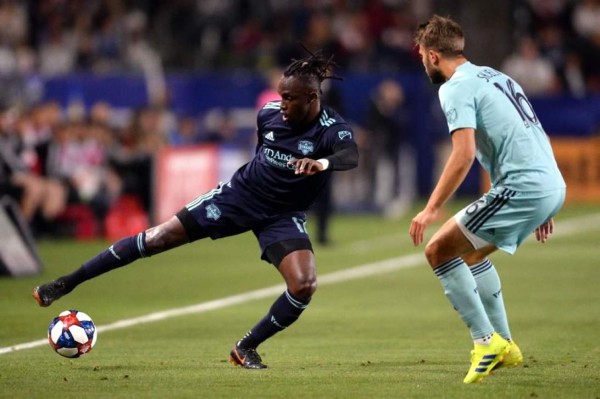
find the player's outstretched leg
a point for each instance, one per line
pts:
(121, 253)
(485, 357)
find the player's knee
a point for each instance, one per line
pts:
(163, 237)
(473, 258)
(303, 287)
(432, 253)
(155, 240)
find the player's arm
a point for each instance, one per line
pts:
(458, 165)
(456, 169)
(344, 157)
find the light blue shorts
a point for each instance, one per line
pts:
(505, 218)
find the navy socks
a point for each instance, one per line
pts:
(121, 253)
(284, 311)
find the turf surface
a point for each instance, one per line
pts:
(387, 335)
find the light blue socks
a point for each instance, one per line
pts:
(490, 292)
(461, 290)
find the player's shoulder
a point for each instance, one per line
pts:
(451, 88)
(333, 125)
(329, 117)
(474, 75)
(269, 111)
(465, 80)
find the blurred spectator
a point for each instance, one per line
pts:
(187, 132)
(586, 22)
(393, 167)
(552, 45)
(324, 207)
(534, 73)
(14, 28)
(396, 47)
(79, 159)
(140, 56)
(108, 36)
(131, 156)
(351, 28)
(14, 23)
(101, 113)
(567, 35)
(219, 128)
(573, 76)
(37, 195)
(546, 12)
(57, 50)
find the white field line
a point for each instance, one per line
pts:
(563, 228)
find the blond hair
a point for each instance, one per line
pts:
(441, 34)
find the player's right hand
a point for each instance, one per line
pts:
(420, 223)
(543, 232)
(306, 166)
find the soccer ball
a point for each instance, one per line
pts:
(72, 333)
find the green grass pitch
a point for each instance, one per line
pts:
(390, 334)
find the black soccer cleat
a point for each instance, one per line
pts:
(47, 293)
(247, 358)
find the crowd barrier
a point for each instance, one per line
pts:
(579, 162)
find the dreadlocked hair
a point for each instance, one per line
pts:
(315, 66)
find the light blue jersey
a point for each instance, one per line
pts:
(511, 143)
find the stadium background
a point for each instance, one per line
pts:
(127, 83)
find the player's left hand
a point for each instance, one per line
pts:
(542, 233)
(306, 166)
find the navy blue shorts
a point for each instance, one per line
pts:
(224, 212)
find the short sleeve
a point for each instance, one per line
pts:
(339, 133)
(458, 104)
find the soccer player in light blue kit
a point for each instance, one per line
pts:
(489, 118)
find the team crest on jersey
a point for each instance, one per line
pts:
(344, 135)
(213, 212)
(306, 147)
(451, 115)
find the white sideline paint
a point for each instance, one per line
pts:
(564, 228)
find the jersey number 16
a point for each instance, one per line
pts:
(519, 101)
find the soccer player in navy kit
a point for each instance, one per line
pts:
(300, 142)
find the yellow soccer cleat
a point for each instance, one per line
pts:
(513, 358)
(485, 357)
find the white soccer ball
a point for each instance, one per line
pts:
(72, 333)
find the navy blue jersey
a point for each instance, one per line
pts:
(268, 179)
